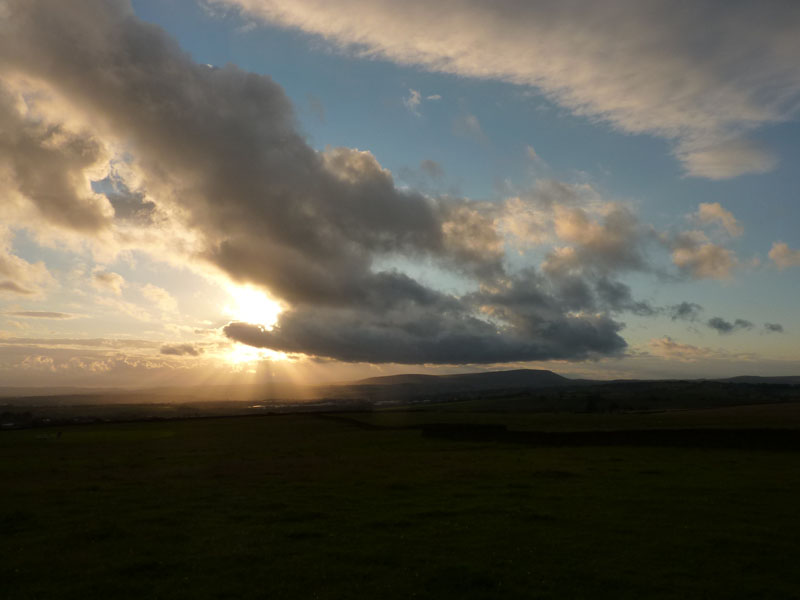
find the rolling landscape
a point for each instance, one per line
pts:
(618, 490)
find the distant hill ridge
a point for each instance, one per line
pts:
(781, 379)
(487, 380)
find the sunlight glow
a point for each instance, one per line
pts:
(251, 305)
(244, 355)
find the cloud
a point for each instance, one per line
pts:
(123, 307)
(108, 281)
(643, 67)
(685, 311)
(431, 168)
(773, 327)
(419, 336)
(18, 276)
(713, 212)
(666, 347)
(467, 125)
(783, 256)
(611, 241)
(310, 227)
(695, 255)
(39, 155)
(100, 343)
(39, 314)
(14, 288)
(727, 159)
(160, 297)
(413, 101)
(181, 350)
(724, 327)
(433, 97)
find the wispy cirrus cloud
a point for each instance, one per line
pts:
(41, 314)
(643, 67)
(668, 348)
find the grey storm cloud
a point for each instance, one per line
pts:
(773, 327)
(685, 311)
(216, 151)
(722, 326)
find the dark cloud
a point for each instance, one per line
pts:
(36, 314)
(723, 327)
(520, 322)
(773, 327)
(181, 350)
(431, 338)
(685, 311)
(217, 151)
(617, 297)
(132, 207)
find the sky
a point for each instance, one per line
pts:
(237, 191)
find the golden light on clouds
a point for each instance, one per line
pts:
(254, 306)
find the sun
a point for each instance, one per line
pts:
(251, 305)
(254, 306)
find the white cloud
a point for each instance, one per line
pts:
(698, 76)
(727, 159)
(413, 101)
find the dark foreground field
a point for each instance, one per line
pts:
(366, 506)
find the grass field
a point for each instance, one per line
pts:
(307, 506)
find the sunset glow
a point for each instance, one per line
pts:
(252, 306)
(191, 189)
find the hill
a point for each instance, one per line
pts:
(490, 380)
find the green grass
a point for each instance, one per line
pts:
(309, 507)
